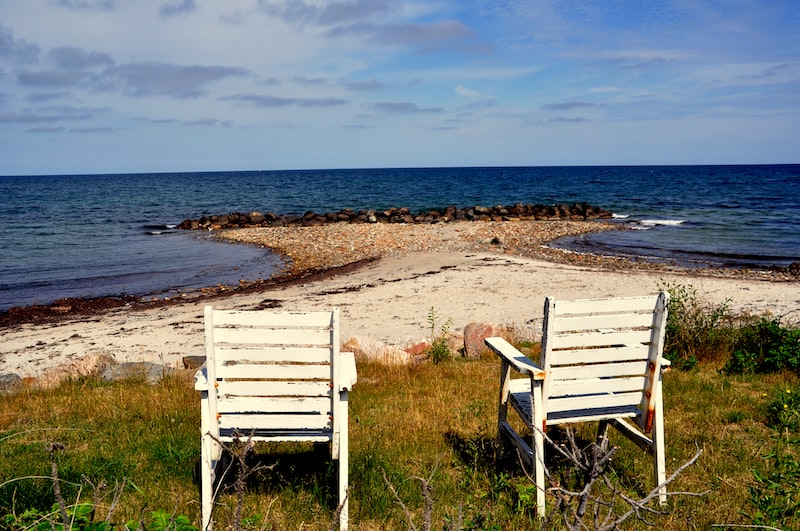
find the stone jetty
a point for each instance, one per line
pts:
(516, 212)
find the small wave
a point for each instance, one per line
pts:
(157, 230)
(619, 216)
(160, 226)
(669, 222)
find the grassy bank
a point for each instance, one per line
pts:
(432, 422)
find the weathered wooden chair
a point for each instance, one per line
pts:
(601, 361)
(273, 376)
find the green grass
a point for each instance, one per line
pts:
(429, 421)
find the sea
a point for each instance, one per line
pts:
(107, 235)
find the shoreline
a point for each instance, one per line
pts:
(313, 253)
(385, 281)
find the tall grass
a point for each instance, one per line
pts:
(432, 422)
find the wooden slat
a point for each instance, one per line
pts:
(628, 337)
(555, 405)
(620, 304)
(247, 423)
(273, 354)
(273, 319)
(279, 436)
(275, 372)
(273, 388)
(274, 405)
(604, 385)
(604, 322)
(602, 370)
(265, 336)
(599, 355)
(587, 415)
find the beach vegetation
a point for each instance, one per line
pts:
(439, 350)
(698, 332)
(775, 489)
(423, 447)
(765, 345)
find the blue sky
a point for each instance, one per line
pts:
(106, 86)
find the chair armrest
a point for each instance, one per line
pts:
(514, 357)
(347, 370)
(201, 379)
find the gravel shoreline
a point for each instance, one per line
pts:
(328, 246)
(338, 248)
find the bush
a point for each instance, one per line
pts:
(696, 332)
(765, 346)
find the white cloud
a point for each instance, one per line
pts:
(465, 92)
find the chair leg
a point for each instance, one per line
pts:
(502, 407)
(538, 449)
(344, 462)
(659, 458)
(210, 452)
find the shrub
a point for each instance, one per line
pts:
(439, 350)
(765, 346)
(696, 331)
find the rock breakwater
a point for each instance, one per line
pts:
(519, 211)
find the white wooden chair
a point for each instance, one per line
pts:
(601, 361)
(273, 376)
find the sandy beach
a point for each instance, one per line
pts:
(485, 272)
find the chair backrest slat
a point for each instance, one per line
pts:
(602, 321)
(605, 354)
(598, 371)
(310, 388)
(274, 354)
(265, 374)
(577, 404)
(250, 405)
(272, 336)
(618, 337)
(607, 306)
(585, 388)
(276, 319)
(245, 424)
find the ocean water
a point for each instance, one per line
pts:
(95, 235)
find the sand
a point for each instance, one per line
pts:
(494, 273)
